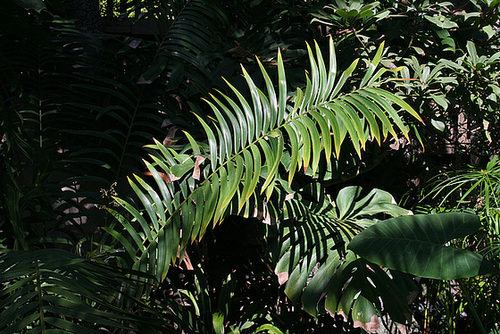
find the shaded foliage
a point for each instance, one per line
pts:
(80, 111)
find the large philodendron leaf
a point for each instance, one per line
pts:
(416, 245)
(312, 261)
(252, 146)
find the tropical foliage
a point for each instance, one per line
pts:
(201, 185)
(54, 290)
(165, 169)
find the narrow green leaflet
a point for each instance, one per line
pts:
(251, 146)
(52, 290)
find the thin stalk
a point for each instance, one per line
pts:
(472, 307)
(129, 134)
(450, 308)
(40, 297)
(360, 40)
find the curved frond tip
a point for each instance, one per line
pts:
(254, 144)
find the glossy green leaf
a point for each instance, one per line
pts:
(416, 245)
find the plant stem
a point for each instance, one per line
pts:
(472, 307)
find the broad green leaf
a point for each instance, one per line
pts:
(415, 245)
(438, 125)
(471, 50)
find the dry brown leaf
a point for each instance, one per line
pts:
(373, 325)
(196, 171)
(282, 278)
(168, 141)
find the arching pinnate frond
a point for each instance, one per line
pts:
(314, 265)
(51, 290)
(252, 146)
(189, 34)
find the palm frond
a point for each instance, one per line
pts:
(242, 163)
(34, 90)
(309, 246)
(53, 290)
(186, 46)
(125, 93)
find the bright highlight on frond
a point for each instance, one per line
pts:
(255, 147)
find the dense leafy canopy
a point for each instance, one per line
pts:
(166, 166)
